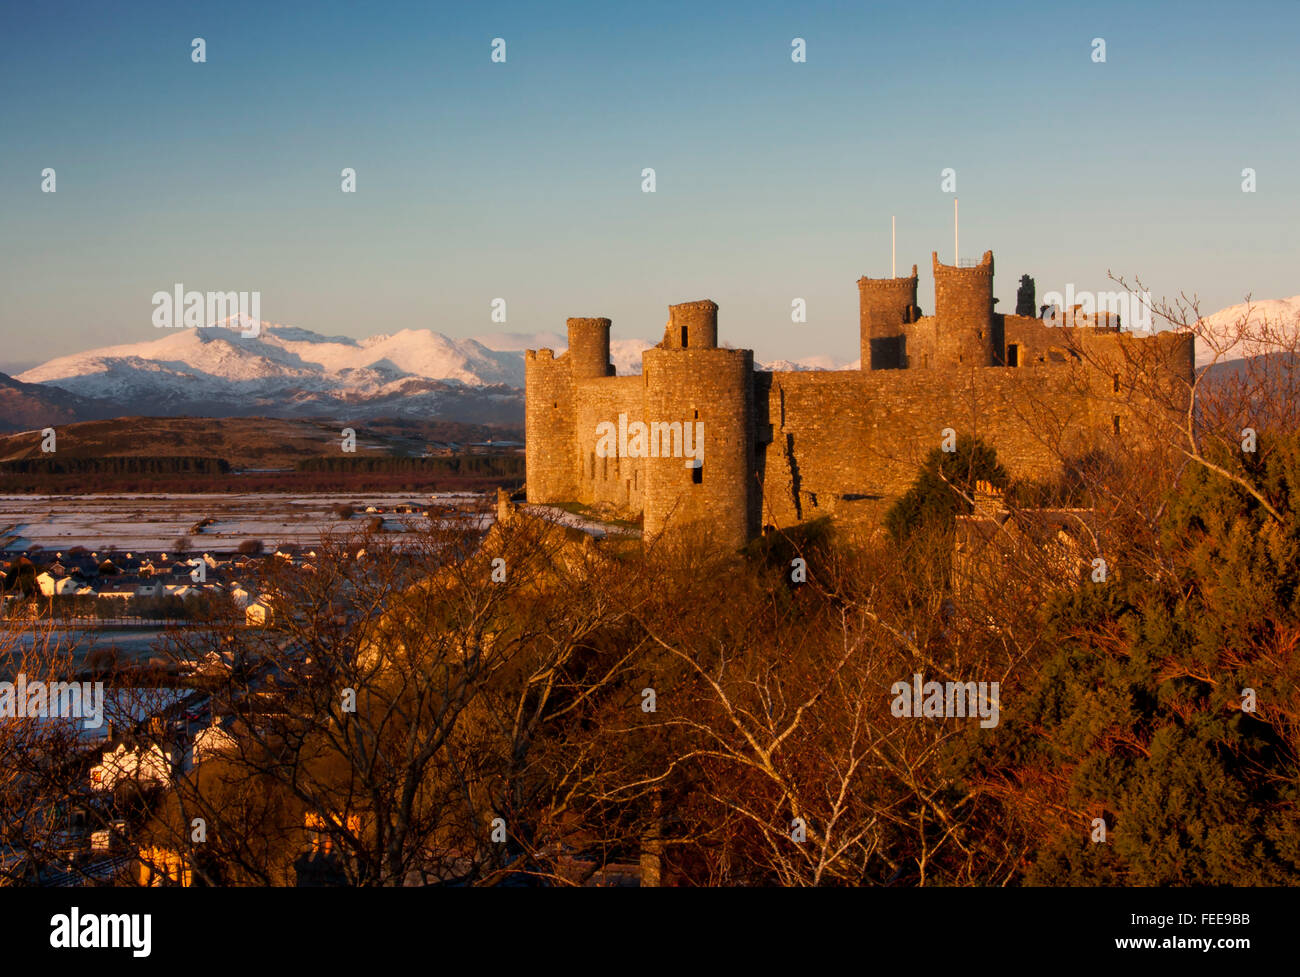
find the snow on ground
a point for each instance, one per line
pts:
(592, 527)
(152, 522)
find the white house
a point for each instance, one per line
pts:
(213, 663)
(257, 614)
(149, 766)
(52, 586)
(211, 741)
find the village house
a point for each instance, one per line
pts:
(212, 741)
(148, 765)
(70, 586)
(258, 614)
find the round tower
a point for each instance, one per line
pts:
(963, 308)
(885, 305)
(589, 348)
(697, 397)
(692, 325)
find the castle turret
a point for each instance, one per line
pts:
(692, 325)
(699, 400)
(885, 305)
(963, 307)
(589, 348)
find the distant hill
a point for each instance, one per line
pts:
(28, 406)
(245, 442)
(1264, 365)
(1266, 386)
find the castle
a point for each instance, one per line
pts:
(783, 447)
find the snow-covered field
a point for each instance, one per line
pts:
(149, 522)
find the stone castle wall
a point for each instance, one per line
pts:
(617, 482)
(842, 441)
(780, 448)
(885, 306)
(549, 450)
(713, 388)
(963, 313)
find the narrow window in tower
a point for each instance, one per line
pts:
(683, 337)
(697, 475)
(1116, 383)
(1115, 421)
(556, 405)
(697, 415)
(1013, 355)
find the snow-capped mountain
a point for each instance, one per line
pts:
(806, 364)
(274, 369)
(1240, 331)
(222, 356)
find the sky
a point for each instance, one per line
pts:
(522, 179)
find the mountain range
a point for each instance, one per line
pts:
(231, 370)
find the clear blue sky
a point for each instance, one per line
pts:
(522, 180)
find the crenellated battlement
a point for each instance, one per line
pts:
(888, 284)
(886, 305)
